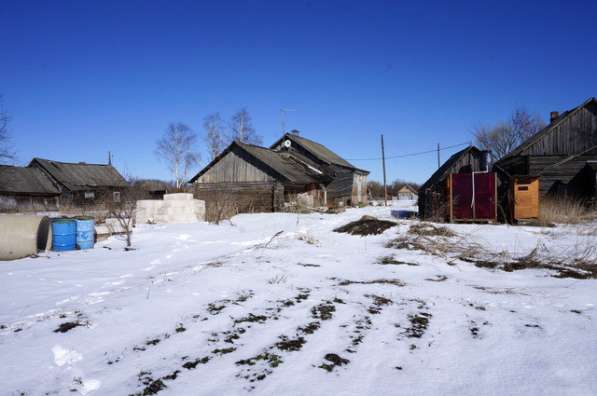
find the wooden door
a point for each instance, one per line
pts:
(526, 198)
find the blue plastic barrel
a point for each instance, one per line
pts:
(64, 235)
(85, 233)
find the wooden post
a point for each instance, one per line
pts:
(383, 163)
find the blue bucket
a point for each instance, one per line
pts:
(64, 235)
(85, 233)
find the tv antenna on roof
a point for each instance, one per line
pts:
(283, 113)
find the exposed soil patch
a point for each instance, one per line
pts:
(309, 265)
(391, 260)
(437, 278)
(223, 351)
(418, 324)
(332, 361)
(193, 364)
(287, 344)
(475, 329)
(310, 328)
(66, 326)
(251, 319)
(323, 311)
(393, 282)
(378, 303)
(366, 225)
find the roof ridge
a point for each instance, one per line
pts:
(70, 163)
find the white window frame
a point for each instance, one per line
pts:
(116, 196)
(89, 194)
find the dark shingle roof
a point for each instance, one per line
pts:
(81, 176)
(318, 150)
(16, 179)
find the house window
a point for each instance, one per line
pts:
(89, 195)
(116, 196)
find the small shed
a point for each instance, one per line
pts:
(434, 194)
(27, 190)
(407, 192)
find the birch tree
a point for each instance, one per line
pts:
(241, 127)
(6, 153)
(214, 134)
(176, 148)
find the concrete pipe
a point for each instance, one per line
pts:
(24, 235)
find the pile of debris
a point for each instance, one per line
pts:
(366, 225)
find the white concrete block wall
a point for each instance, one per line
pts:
(175, 208)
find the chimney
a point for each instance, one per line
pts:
(553, 116)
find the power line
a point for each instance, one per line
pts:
(409, 154)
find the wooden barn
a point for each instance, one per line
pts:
(435, 202)
(82, 185)
(294, 173)
(559, 161)
(27, 190)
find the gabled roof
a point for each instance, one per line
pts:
(81, 176)
(318, 150)
(439, 174)
(17, 179)
(533, 139)
(407, 188)
(284, 166)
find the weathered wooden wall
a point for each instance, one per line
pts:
(224, 200)
(10, 203)
(235, 167)
(573, 135)
(340, 189)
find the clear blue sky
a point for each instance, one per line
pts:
(80, 78)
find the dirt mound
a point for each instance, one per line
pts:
(366, 225)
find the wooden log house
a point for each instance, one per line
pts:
(294, 172)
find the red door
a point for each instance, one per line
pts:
(473, 196)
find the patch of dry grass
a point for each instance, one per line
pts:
(562, 211)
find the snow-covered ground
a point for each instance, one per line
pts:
(225, 309)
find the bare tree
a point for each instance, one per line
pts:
(176, 147)
(6, 153)
(123, 209)
(214, 134)
(242, 129)
(504, 137)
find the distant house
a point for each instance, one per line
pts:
(27, 190)
(562, 158)
(293, 172)
(434, 194)
(407, 192)
(81, 184)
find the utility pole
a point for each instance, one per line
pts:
(383, 163)
(438, 162)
